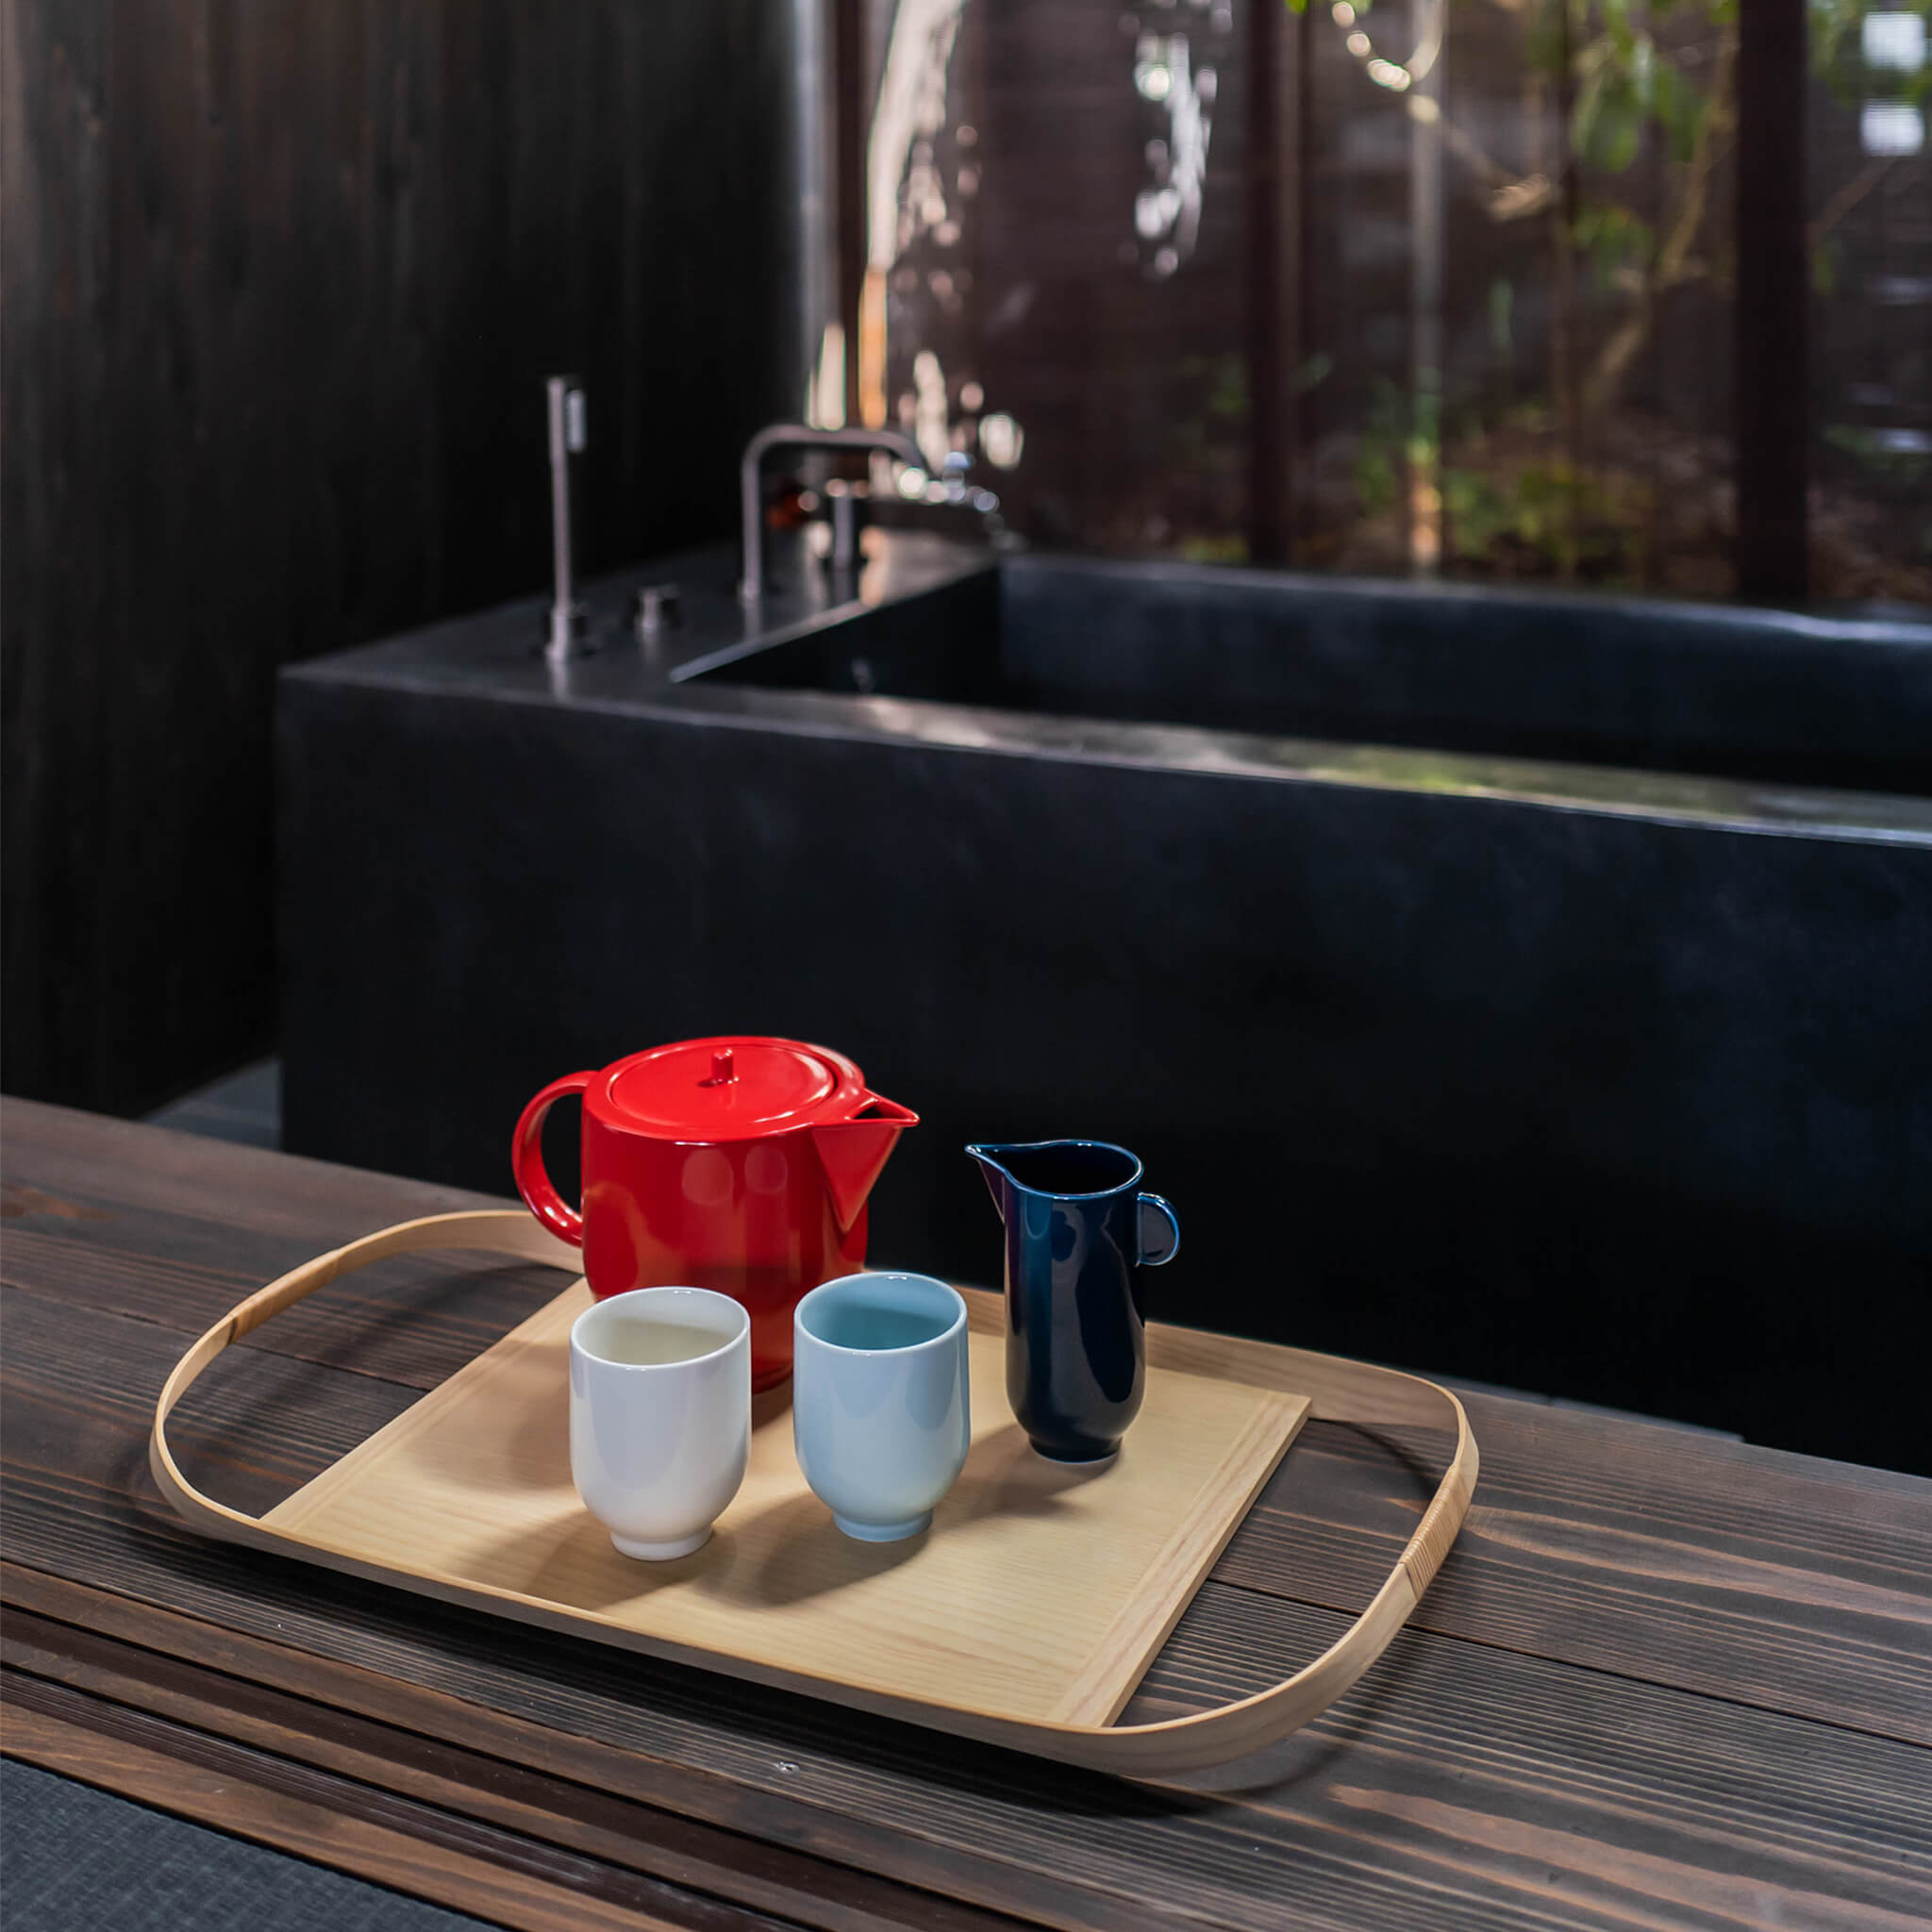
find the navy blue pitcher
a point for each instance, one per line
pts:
(1079, 1228)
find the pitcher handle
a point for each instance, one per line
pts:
(526, 1161)
(1156, 1253)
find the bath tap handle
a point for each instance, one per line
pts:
(751, 504)
(653, 608)
(847, 503)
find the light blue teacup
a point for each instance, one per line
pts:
(880, 1414)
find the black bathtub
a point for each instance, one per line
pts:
(1837, 702)
(1525, 987)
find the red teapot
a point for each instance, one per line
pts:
(740, 1163)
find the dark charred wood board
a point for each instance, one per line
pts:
(282, 288)
(1661, 1680)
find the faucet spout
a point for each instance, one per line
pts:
(751, 581)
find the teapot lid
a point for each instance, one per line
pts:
(733, 1087)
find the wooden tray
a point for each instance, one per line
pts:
(1026, 1616)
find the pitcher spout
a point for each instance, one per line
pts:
(991, 1155)
(1057, 1170)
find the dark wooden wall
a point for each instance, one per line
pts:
(280, 286)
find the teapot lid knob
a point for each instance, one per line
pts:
(724, 1068)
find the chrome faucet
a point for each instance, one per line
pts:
(751, 504)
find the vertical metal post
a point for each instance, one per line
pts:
(566, 439)
(1430, 33)
(1305, 335)
(1772, 316)
(1268, 346)
(815, 112)
(849, 125)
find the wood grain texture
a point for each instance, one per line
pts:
(413, 1847)
(1514, 1769)
(1526, 1747)
(1801, 1585)
(472, 1486)
(844, 1670)
(257, 1428)
(1676, 1559)
(125, 1169)
(1788, 1846)
(1010, 1834)
(281, 291)
(781, 1823)
(410, 1320)
(491, 1787)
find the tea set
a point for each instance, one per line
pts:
(726, 1184)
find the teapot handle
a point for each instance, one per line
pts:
(1153, 1209)
(526, 1161)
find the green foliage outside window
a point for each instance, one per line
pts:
(1540, 489)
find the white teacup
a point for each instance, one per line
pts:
(659, 1415)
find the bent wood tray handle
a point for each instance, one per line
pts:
(1341, 1390)
(494, 1230)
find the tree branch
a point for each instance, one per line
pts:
(1673, 264)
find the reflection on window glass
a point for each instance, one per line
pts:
(1871, 243)
(1438, 286)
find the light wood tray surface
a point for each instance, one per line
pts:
(1045, 1589)
(1026, 1616)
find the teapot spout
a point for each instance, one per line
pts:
(853, 1153)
